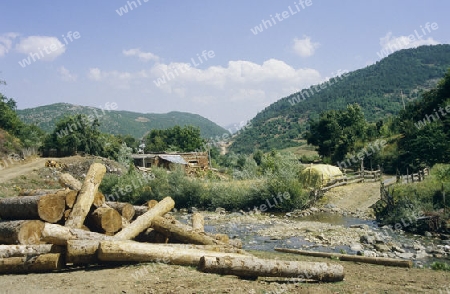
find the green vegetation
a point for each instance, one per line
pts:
(180, 139)
(440, 266)
(119, 122)
(340, 132)
(378, 89)
(14, 134)
(245, 186)
(412, 201)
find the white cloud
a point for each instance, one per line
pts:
(47, 48)
(144, 56)
(390, 44)
(6, 42)
(304, 47)
(231, 93)
(66, 75)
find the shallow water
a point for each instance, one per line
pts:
(247, 232)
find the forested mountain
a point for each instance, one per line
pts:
(378, 89)
(119, 122)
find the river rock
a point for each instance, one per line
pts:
(421, 254)
(369, 253)
(382, 247)
(356, 247)
(220, 210)
(398, 249)
(428, 234)
(366, 239)
(406, 255)
(314, 209)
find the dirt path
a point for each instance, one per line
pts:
(17, 170)
(353, 198)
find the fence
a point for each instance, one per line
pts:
(386, 193)
(348, 177)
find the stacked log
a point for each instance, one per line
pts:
(50, 229)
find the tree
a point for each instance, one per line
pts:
(76, 133)
(425, 128)
(183, 139)
(336, 132)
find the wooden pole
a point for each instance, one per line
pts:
(144, 221)
(68, 181)
(198, 222)
(42, 263)
(59, 235)
(355, 258)
(28, 250)
(131, 251)
(182, 233)
(86, 196)
(255, 267)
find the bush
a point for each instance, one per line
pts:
(411, 200)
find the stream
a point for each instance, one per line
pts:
(249, 229)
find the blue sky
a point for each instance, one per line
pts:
(203, 57)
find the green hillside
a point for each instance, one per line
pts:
(120, 122)
(378, 89)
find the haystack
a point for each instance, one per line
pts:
(319, 175)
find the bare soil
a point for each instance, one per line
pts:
(163, 278)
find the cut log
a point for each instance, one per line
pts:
(182, 232)
(216, 248)
(67, 180)
(152, 203)
(106, 220)
(140, 210)
(42, 263)
(67, 213)
(144, 221)
(21, 232)
(356, 258)
(86, 195)
(151, 236)
(59, 235)
(255, 267)
(38, 192)
(82, 251)
(46, 207)
(198, 222)
(71, 197)
(51, 207)
(28, 250)
(131, 251)
(99, 199)
(125, 222)
(125, 209)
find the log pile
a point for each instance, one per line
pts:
(47, 230)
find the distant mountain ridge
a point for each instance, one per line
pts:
(380, 89)
(119, 121)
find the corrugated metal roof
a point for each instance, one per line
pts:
(173, 158)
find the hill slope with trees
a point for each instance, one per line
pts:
(119, 122)
(379, 89)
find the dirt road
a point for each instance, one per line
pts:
(353, 198)
(16, 170)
